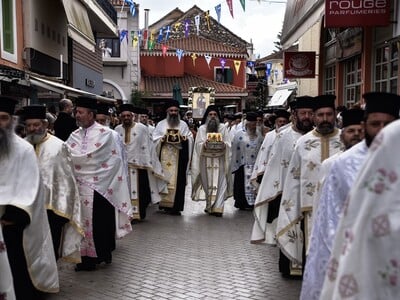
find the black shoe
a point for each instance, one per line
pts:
(85, 267)
(217, 214)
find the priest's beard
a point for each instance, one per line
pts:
(325, 128)
(36, 138)
(173, 120)
(251, 131)
(5, 141)
(212, 125)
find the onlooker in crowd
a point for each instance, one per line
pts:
(146, 176)
(23, 218)
(65, 122)
(210, 163)
(301, 183)
(61, 193)
(245, 146)
(174, 142)
(99, 161)
(381, 109)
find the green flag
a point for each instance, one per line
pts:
(243, 2)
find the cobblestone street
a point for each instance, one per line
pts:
(193, 256)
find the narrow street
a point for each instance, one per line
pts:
(193, 256)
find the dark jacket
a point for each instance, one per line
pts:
(64, 125)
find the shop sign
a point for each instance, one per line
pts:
(357, 13)
(299, 64)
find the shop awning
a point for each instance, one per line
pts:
(280, 97)
(79, 28)
(64, 89)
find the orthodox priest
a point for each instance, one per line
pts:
(99, 162)
(146, 176)
(302, 179)
(22, 213)
(365, 255)
(268, 199)
(210, 162)
(245, 146)
(380, 109)
(173, 143)
(281, 117)
(61, 189)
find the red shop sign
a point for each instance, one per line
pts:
(357, 13)
(299, 64)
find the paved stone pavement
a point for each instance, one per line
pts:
(193, 256)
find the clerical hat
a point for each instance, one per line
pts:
(282, 113)
(7, 104)
(352, 116)
(210, 108)
(86, 101)
(171, 103)
(251, 116)
(382, 102)
(303, 102)
(126, 107)
(324, 101)
(34, 112)
(103, 108)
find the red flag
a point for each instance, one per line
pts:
(229, 2)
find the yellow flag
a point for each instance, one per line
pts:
(237, 64)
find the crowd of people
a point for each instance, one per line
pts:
(74, 181)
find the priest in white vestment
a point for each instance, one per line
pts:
(365, 263)
(99, 161)
(381, 109)
(61, 190)
(146, 176)
(173, 142)
(210, 163)
(267, 203)
(281, 122)
(302, 179)
(245, 146)
(23, 217)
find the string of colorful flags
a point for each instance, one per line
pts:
(164, 33)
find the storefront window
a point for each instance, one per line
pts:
(386, 67)
(329, 80)
(352, 84)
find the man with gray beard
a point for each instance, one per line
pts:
(210, 163)
(22, 214)
(245, 146)
(173, 142)
(61, 189)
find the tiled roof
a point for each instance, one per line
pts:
(199, 45)
(161, 87)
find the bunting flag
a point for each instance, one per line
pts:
(218, 11)
(145, 34)
(167, 32)
(208, 59)
(230, 5)
(164, 50)
(122, 35)
(194, 57)
(132, 7)
(135, 41)
(237, 64)
(207, 16)
(179, 52)
(243, 2)
(187, 23)
(222, 62)
(150, 44)
(139, 35)
(197, 22)
(160, 36)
